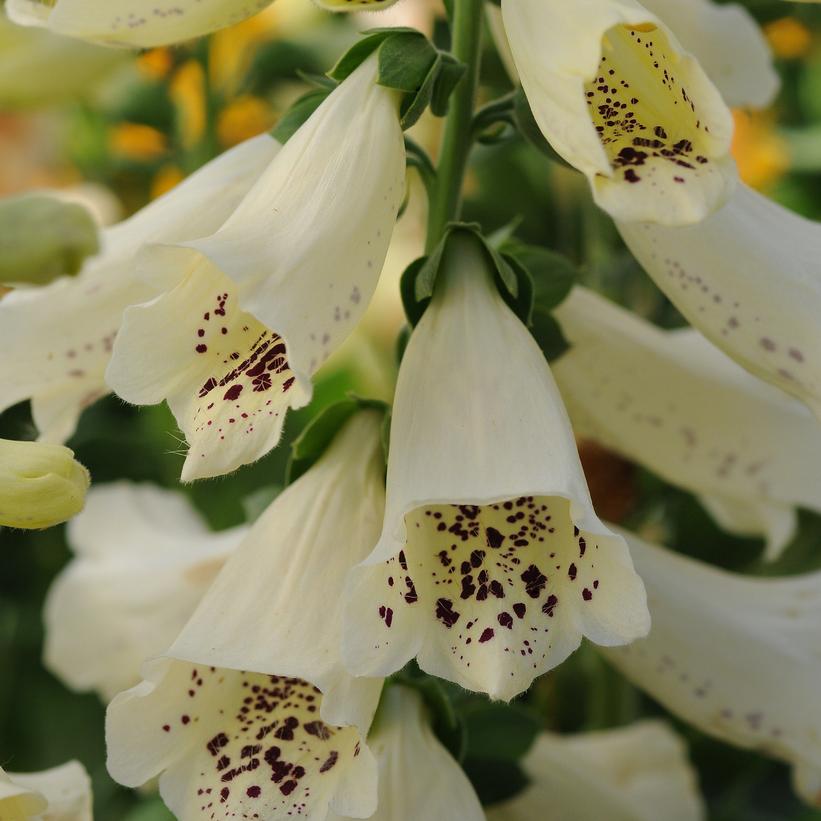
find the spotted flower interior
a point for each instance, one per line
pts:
(648, 122)
(503, 591)
(245, 745)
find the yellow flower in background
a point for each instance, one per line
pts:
(761, 154)
(188, 91)
(135, 141)
(242, 119)
(789, 38)
(168, 177)
(156, 63)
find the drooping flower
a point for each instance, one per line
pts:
(492, 564)
(56, 341)
(674, 403)
(250, 710)
(619, 98)
(131, 22)
(636, 773)
(249, 313)
(735, 656)
(418, 778)
(143, 560)
(60, 794)
(749, 279)
(40, 484)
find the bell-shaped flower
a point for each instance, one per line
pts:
(619, 98)
(418, 778)
(749, 279)
(635, 773)
(131, 22)
(143, 560)
(354, 5)
(56, 340)
(250, 710)
(736, 656)
(60, 794)
(249, 313)
(675, 404)
(492, 564)
(40, 484)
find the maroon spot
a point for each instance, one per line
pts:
(535, 581)
(201, 348)
(166, 728)
(253, 792)
(329, 761)
(216, 743)
(571, 572)
(506, 620)
(587, 594)
(519, 609)
(288, 787)
(445, 612)
(550, 605)
(318, 729)
(487, 635)
(494, 538)
(185, 719)
(224, 793)
(233, 393)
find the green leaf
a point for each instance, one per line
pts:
(309, 446)
(495, 780)
(405, 61)
(296, 116)
(548, 334)
(357, 54)
(519, 300)
(553, 274)
(413, 107)
(414, 308)
(450, 75)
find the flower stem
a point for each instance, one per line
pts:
(446, 200)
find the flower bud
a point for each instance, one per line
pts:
(40, 484)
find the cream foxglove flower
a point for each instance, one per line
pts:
(143, 560)
(418, 778)
(354, 5)
(738, 657)
(674, 403)
(725, 39)
(728, 43)
(56, 341)
(492, 564)
(620, 99)
(249, 313)
(637, 773)
(60, 794)
(40, 484)
(286, 737)
(131, 22)
(749, 279)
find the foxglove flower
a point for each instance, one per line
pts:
(749, 279)
(249, 313)
(674, 403)
(492, 564)
(131, 22)
(143, 560)
(418, 777)
(637, 773)
(56, 341)
(620, 99)
(60, 794)
(251, 710)
(40, 484)
(735, 656)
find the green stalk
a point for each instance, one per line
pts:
(446, 200)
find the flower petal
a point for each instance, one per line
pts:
(418, 778)
(675, 404)
(637, 773)
(748, 279)
(129, 22)
(230, 742)
(143, 560)
(737, 657)
(60, 794)
(56, 341)
(619, 98)
(491, 564)
(728, 43)
(259, 305)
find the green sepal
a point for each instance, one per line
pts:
(43, 238)
(548, 334)
(296, 116)
(318, 434)
(419, 279)
(552, 273)
(408, 63)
